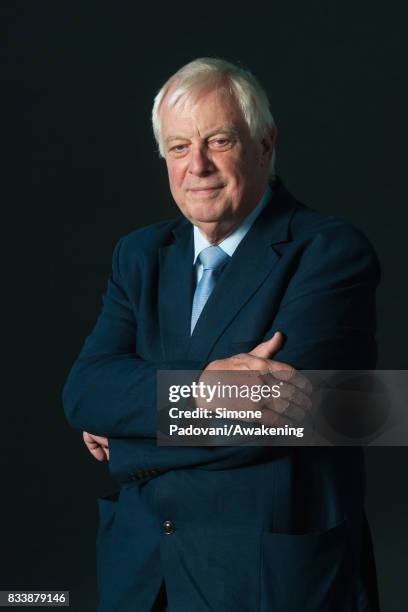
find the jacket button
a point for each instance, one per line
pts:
(168, 527)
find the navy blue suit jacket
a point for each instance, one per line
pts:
(255, 528)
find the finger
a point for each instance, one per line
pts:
(90, 443)
(269, 347)
(101, 440)
(272, 419)
(287, 391)
(92, 446)
(98, 453)
(285, 372)
(92, 439)
(286, 408)
(97, 446)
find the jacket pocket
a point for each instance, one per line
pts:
(311, 572)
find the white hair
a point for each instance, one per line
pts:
(206, 74)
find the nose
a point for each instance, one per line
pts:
(200, 163)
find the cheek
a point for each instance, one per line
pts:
(175, 173)
(173, 179)
(236, 178)
(234, 168)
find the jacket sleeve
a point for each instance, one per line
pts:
(110, 390)
(328, 312)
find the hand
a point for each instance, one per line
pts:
(97, 445)
(295, 390)
(257, 359)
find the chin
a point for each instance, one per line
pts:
(206, 216)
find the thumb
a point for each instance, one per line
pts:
(268, 348)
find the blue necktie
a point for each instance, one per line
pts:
(212, 259)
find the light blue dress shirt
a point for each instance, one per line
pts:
(231, 242)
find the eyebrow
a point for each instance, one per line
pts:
(225, 129)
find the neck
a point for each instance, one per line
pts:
(217, 232)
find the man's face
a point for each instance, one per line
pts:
(217, 171)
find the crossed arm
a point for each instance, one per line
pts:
(327, 315)
(296, 393)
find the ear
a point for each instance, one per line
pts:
(268, 144)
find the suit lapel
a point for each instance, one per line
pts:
(252, 262)
(175, 292)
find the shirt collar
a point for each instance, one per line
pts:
(231, 242)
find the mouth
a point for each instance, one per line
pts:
(203, 192)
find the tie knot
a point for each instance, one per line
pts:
(213, 257)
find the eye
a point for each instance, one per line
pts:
(178, 150)
(221, 143)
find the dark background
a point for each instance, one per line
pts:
(82, 170)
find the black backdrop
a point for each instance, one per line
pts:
(82, 170)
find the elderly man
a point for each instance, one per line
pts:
(247, 274)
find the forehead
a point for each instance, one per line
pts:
(203, 112)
